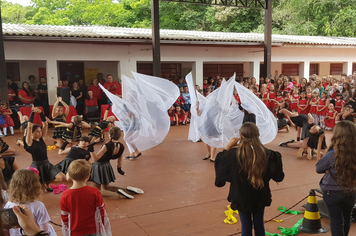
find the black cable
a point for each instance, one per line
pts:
(55, 223)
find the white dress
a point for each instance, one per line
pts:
(40, 214)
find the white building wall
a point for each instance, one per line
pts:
(122, 59)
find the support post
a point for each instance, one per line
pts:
(268, 40)
(156, 50)
(3, 80)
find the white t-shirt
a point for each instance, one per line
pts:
(40, 214)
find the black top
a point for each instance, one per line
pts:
(248, 117)
(42, 96)
(280, 116)
(24, 124)
(8, 171)
(76, 93)
(76, 153)
(38, 150)
(300, 120)
(108, 155)
(242, 195)
(314, 139)
(349, 117)
(103, 124)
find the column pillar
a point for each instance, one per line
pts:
(198, 73)
(126, 65)
(347, 68)
(304, 70)
(255, 68)
(52, 80)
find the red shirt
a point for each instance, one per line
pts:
(24, 95)
(91, 102)
(113, 87)
(11, 91)
(237, 97)
(97, 92)
(81, 204)
(179, 101)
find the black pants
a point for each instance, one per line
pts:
(339, 205)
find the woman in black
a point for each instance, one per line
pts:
(79, 96)
(281, 118)
(34, 144)
(248, 167)
(81, 151)
(102, 173)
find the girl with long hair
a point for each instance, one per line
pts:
(34, 144)
(27, 94)
(339, 183)
(248, 166)
(102, 173)
(59, 115)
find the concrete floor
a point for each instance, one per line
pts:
(180, 197)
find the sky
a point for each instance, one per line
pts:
(21, 2)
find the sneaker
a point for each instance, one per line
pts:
(123, 193)
(291, 141)
(283, 144)
(128, 157)
(134, 190)
(133, 158)
(300, 152)
(310, 153)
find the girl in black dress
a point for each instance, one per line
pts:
(98, 131)
(59, 115)
(102, 173)
(35, 145)
(8, 164)
(301, 121)
(73, 130)
(315, 140)
(82, 151)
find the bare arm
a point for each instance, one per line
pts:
(233, 142)
(55, 107)
(100, 154)
(29, 133)
(320, 141)
(66, 112)
(85, 125)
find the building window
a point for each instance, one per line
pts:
(290, 69)
(13, 70)
(167, 69)
(353, 67)
(314, 69)
(223, 70)
(336, 68)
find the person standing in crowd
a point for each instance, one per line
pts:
(186, 98)
(79, 97)
(33, 83)
(97, 92)
(43, 95)
(83, 87)
(27, 94)
(248, 166)
(113, 87)
(11, 84)
(339, 183)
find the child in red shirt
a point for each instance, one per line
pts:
(339, 103)
(83, 210)
(330, 117)
(181, 116)
(303, 103)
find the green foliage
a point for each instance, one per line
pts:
(293, 17)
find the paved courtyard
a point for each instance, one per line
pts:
(180, 197)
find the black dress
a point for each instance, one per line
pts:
(69, 132)
(281, 121)
(59, 129)
(98, 131)
(301, 121)
(314, 139)
(40, 161)
(248, 117)
(101, 171)
(8, 171)
(75, 153)
(242, 195)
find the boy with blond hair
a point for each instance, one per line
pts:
(82, 205)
